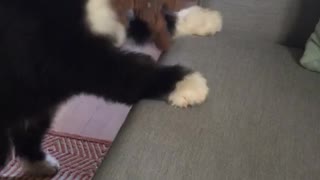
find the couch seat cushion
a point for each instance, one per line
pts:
(261, 120)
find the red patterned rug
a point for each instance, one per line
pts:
(79, 157)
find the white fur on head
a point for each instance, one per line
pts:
(191, 90)
(103, 20)
(199, 21)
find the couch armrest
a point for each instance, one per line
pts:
(288, 22)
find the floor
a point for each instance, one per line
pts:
(92, 117)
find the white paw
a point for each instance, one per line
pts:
(48, 167)
(191, 90)
(198, 21)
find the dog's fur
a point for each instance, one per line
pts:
(51, 50)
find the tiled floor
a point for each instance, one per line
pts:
(90, 116)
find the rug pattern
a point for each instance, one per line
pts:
(79, 157)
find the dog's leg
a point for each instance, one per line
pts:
(27, 138)
(130, 77)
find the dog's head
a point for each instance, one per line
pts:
(150, 23)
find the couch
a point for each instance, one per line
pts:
(261, 120)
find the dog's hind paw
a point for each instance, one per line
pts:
(48, 167)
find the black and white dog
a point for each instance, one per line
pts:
(51, 50)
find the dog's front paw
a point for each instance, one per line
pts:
(198, 21)
(191, 90)
(48, 167)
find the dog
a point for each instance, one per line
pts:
(161, 27)
(51, 50)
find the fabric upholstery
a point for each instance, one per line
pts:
(311, 57)
(261, 120)
(288, 22)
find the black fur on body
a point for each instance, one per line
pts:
(47, 55)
